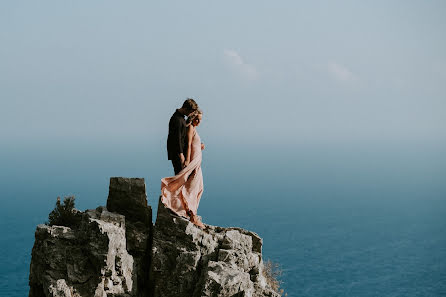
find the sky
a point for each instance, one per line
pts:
(268, 74)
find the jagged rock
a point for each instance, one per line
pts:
(91, 260)
(127, 196)
(117, 252)
(189, 262)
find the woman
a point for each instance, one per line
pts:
(182, 192)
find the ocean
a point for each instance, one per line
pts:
(342, 222)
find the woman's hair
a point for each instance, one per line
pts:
(193, 116)
(190, 104)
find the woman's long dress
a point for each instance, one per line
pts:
(183, 191)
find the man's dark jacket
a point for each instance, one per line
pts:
(176, 140)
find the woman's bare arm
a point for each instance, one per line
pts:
(190, 135)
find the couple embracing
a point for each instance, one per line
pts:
(182, 192)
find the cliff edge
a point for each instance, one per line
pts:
(116, 251)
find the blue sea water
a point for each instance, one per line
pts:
(346, 222)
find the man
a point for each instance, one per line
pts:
(177, 140)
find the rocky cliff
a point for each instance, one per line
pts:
(116, 251)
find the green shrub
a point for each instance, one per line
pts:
(272, 272)
(64, 214)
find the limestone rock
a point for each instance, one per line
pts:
(116, 251)
(89, 261)
(127, 196)
(189, 262)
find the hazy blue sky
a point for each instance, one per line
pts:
(285, 73)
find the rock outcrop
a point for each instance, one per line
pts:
(127, 196)
(91, 260)
(116, 251)
(217, 262)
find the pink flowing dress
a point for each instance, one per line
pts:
(183, 191)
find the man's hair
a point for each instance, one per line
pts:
(190, 104)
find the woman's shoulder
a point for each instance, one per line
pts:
(191, 129)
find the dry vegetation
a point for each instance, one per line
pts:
(272, 271)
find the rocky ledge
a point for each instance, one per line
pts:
(116, 251)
